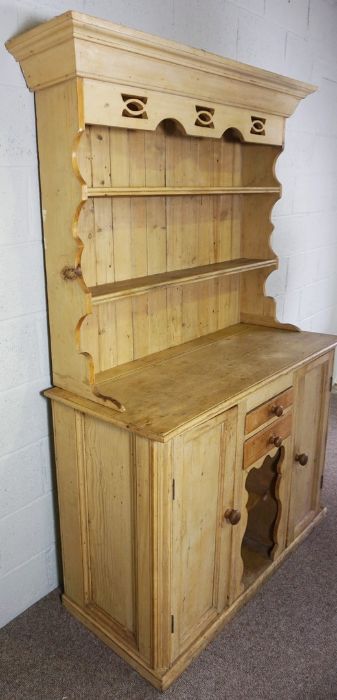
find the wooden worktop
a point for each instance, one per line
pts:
(167, 391)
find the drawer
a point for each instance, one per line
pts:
(268, 411)
(261, 443)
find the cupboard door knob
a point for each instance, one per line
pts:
(278, 410)
(302, 459)
(233, 516)
(275, 440)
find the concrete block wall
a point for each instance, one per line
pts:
(293, 37)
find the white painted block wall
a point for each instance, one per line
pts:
(293, 37)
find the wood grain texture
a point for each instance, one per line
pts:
(268, 411)
(204, 457)
(312, 400)
(157, 166)
(163, 395)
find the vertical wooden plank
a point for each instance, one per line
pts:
(205, 225)
(222, 227)
(156, 228)
(124, 331)
(174, 213)
(228, 301)
(155, 176)
(157, 320)
(227, 551)
(240, 495)
(137, 158)
(111, 511)
(174, 298)
(138, 237)
(66, 454)
(190, 312)
(223, 162)
(119, 157)
(122, 228)
(121, 208)
(107, 335)
(142, 465)
(100, 154)
(161, 510)
(155, 157)
(140, 318)
(104, 242)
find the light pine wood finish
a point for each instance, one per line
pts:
(202, 538)
(312, 404)
(189, 424)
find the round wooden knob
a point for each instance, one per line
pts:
(302, 459)
(278, 410)
(233, 516)
(275, 440)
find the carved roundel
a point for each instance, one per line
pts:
(134, 106)
(204, 117)
(258, 126)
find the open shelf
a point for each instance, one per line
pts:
(172, 191)
(140, 285)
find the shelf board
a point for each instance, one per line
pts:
(140, 285)
(173, 191)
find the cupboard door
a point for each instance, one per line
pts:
(203, 467)
(311, 409)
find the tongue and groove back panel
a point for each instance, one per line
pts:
(126, 238)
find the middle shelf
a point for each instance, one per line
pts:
(167, 191)
(140, 285)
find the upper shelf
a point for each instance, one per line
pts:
(140, 285)
(172, 191)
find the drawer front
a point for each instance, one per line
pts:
(261, 443)
(268, 411)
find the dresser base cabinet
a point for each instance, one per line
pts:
(162, 541)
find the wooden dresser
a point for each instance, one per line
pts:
(190, 425)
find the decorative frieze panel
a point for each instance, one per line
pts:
(121, 106)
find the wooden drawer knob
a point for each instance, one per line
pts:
(275, 440)
(277, 410)
(302, 459)
(233, 516)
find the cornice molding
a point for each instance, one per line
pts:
(77, 28)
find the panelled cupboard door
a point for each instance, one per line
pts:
(104, 495)
(203, 469)
(311, 408)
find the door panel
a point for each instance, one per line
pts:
(311, 411)
(204, 462)
(110, 512)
